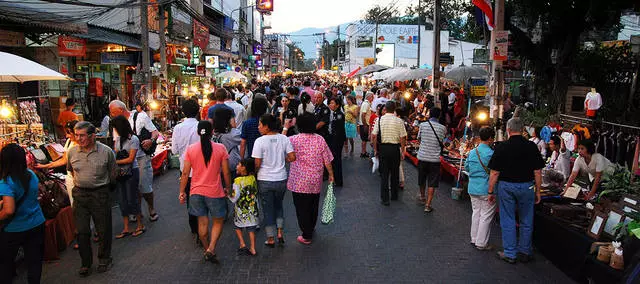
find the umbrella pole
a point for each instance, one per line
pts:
(464, 137)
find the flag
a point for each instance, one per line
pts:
(322, 63)
(487, 10)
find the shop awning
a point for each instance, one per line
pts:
(22, 18)
(101, 34)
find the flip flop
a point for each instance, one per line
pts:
(139, 232)
(123, 235)
(154, 217)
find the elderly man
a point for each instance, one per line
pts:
(517, 164)
(389, 140)
(93, 167)
(140, 121)
(383, 97)
(365, 114)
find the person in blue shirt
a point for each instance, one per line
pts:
(21, 214)
(483, 210)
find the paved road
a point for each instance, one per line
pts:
(368, 243)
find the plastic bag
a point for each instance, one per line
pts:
(329, 206)
(376, 164)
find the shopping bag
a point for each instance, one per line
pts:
(376, 164)
(329, 206)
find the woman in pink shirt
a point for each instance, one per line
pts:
(305, 175)
(207, 196)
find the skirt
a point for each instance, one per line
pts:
(350, 130)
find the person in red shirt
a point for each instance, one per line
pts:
(205, 110)
(68, 114)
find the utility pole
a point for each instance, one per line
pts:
(419, 30)
(163, 42)
(146, 57)
(498, 72)
(435, 88)
(338, 52)
(375, 41)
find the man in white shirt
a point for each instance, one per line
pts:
(380, 100)
(365, 114)
(185, 134)
(244, 96)
(238, 109)
(140, 121)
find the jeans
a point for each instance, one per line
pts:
(129, 197)
(307, 205)
(33, 243)
(483, 213)
(521, 198)
(146, 174)
(389, 164)
(272, 194)
(96, 204)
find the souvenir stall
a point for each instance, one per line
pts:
(595, 240)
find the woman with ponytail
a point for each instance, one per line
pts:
(208, 161)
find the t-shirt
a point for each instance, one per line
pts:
(378, 101)
(212, 110)
(598, 164)
(272, 149)
(452, 98)
(204, 112)
(142, 121)
(28, 215)
(429, 150)
(244, 195)
(66, 116)
(561, 162)
(250, 133)
(239, 111)
(206, 180)
(131, 144)
(516, 159)
(366, 110)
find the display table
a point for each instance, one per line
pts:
(59, 233)
(445, 166)
(160, 160)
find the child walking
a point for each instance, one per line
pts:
(244, 196)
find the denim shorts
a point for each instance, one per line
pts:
(206, 206)
(248, 229)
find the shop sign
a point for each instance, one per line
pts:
(200, 35)
(196, 55)
(189, 70)
(480, 55)
(214, 43)
(501, 46)
(257, 49)
(212, 62)
(478, 87)
(178, 55)
(264, 6)
(238, 69)
(118, 58)
(71, 46)
(259, 63)
(200, 71)
(12, 39)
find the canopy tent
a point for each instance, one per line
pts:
(462, 73)
(18, 69)
(371, 68)
(231, 75)
(382, 75)
(404, 74)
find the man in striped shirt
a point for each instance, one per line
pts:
(431, 134)
(390, 138)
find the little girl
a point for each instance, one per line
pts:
(244, 195)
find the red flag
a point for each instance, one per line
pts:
(487, 10)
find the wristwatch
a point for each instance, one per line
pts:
(491, 193)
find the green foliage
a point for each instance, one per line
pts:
(618, 182)
(538, 117)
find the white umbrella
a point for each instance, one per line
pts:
(382, 75)
(404, 74)
(18, 69)
(231, 75)
(462, 73)
(371, 68)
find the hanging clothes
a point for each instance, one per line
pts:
(545, 133)
(569, 140)
(581, 131)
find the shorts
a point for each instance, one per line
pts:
(429, 173)
(364, 133)
(350, 130)
(207, 206)
(146, 174)
(248, 229)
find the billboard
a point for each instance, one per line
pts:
(211, 62)
(386, 56)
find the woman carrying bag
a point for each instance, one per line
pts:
(126, 145)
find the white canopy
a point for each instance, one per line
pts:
(18, 69)
(404, 74)
(231, 75)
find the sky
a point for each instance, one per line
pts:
(292, 15)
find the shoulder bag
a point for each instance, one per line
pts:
(144, 135)
(437, 138)
(486, 170)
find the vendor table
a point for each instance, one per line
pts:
(160, 160)
(59, 233)
(445, 166)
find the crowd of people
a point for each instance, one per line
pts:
(250, 145)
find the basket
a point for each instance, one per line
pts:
(456, 193)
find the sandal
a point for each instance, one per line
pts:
(428, 209)
(210, 257)
(139, 232)
(243, 251)
(123, 235)
(84, 271)
(271, 245)
(154, 217)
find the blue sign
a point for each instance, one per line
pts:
(118, 58)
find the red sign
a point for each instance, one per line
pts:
(265, 6)
(200, 35)
(200, 71)
(71, 46)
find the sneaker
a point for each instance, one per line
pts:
(210, 257)
(484, 248)
(524, 258)
(303, 240)
(507, 259)
(428, 209)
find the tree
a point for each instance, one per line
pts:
(381, 15)
(540, 29)
(457, 16)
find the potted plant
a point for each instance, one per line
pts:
(618, 182)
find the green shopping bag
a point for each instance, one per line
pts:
(329, 206)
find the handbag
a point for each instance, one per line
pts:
(437, 138)
(486, 170)
(123, 172)
(329, 206)
(40, 156)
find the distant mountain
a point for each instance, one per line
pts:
(308, 43)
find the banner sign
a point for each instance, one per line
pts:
(502, 46)
(71, 46)
(200, 71)
(118, 58)
(200, 35)
(478, 87)
(212, 62)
